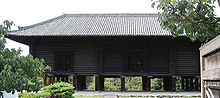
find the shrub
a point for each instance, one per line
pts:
(25, 95)
(60, 89)
(157, 84)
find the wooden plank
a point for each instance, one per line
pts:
(85, 58)
(213, 74)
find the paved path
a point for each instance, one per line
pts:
(114, 94)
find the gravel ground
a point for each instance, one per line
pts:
(115, 94)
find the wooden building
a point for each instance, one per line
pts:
(112, 45)
(210, 68)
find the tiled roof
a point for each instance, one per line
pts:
(96, 25)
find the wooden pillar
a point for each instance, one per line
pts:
(65, 78)
(45, 80)
(99, 83)
(81, 82)
(191, 83)
(165, 86)
(62, 78)
(52, 79)
(74, 82)
(144, 83)
(123, 83)
(148, 83)
(187, 83)
(182, 83)
(167, 83)
(49, 80)
(173, 83)
(196, 84)
(202, 68)
(58, 78)
(97, 87)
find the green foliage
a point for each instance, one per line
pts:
(178, 83)
(133, 83)
(157, 84)
(194, 18)
(90, 83)
(112, 84)
(33, 95)
(18, 72)
(25, 95)
(60, 89)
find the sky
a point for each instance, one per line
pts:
(28, 12)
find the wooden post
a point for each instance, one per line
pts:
(74, 82)
(99, 83)
(202, 68)
(173, 83)
(187, 83)
(65, 78)
(49, 80)
(148, 83)
(196, 84)
(182, 83)
(167, 83)
(123, 83)
(191, 83)
(81, 82)
(62, 78)
(58, 78)
(97, 88)
(144, 82)
(52, 79)
(45, 80)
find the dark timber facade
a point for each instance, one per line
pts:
(112, 46)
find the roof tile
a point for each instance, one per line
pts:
(96, 25)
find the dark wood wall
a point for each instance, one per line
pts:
(157, 55)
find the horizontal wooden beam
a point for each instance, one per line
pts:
(211, 74)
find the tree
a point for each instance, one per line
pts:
(194, 18)
(18, 72)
